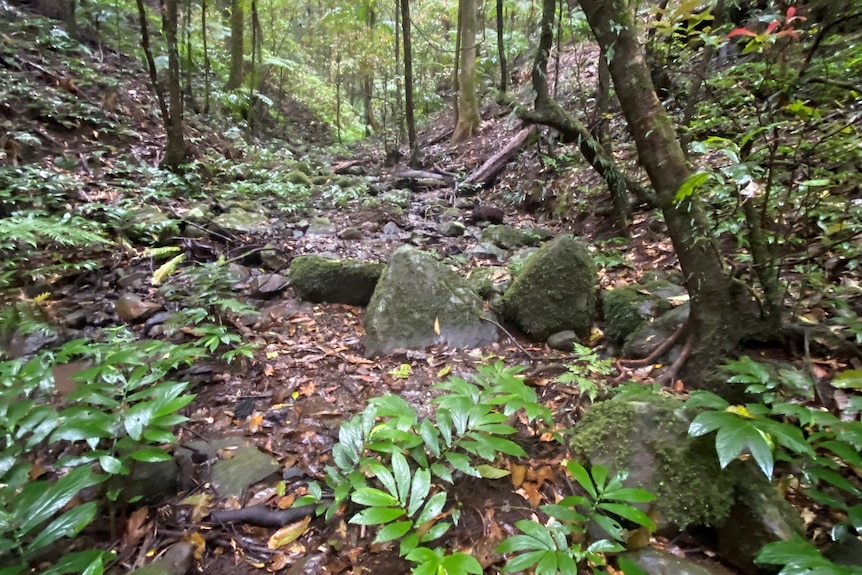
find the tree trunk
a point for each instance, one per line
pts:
(716, 324)
(501, 47)
(549, 112)
(175, 147)
(468, 101)
(237, 44)
(206, 107)
(415, 155)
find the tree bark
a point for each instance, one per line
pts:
(549, 112)
(468, 101)
(237, 44)
(716, 323)
(501, 47)
(415, 155)
(175, 147)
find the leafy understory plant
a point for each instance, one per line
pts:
(584, 372)
(121, 410)
(396, 466)
(558, 546)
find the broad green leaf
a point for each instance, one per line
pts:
(89, 562)
(151, 455)
(731, 441)
(632, 494)
(382, 473)
(711, 420)
(537, 531)
(610, 525)
(582, 477)
(548, 565)
(433, 508)
(457, 563)
(849, 379)
(461, 462)
(36, 503)
(491, 472)
(700, 398)
(112, 465)
(600, 476)
(393, 531)
(628, 512)
(437, 531)
(419, 489)
(377, 515)
(401, 471)
(66, 525)
(688, 187)
(430, 436)
(605, 546)
(524, 561)
(629, 567)
(371, 497)
(563, 513)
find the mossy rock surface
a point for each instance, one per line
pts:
(508, 237)
(627, 308)
(647, 435)
(555, 291)
(319, 279)
(420, 302)
(299, 177)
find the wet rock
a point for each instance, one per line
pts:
(268, 284)
(655, 562)
(642, 341)
(76, 319)
(177, 560)
(131, 308)
(487, 251)
(489, 281)
(759, 516)
(320, 279)
(563, 340)
(648, 437)
(555, 291)
(274, 259)
(415, 296)
(508, 237)
(22, 345)
(241, 221)
(240, 464)
(398, 197)
(351, 233)
(320, 227)
(148, 482)
(133, 280)
(627, 308)
(391, 229)
(238, 275)
(451, 229)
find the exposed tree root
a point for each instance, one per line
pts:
(625, 365)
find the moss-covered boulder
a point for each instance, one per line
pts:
(627, 308)
(242, 221)
(318, 279)
(420, 302)
(149, 224)
(648, 436)
(299, 178)
(555, 291)
(489, 281)
(508, 237)
(651, 334)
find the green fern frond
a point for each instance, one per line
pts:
(167, 269)
(65, 230)
(160, 252)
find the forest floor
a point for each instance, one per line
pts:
(309, 373)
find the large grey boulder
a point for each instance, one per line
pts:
(319, 279)
(420, 302)
(555, 291)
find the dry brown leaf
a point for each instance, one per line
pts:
(136, 527)
(268, 370)
(519, 472)
(288, 534)
(255, 422)
(200, 504)
(199, 543)
(307, 389)
(279, 561)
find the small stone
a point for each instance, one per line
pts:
(451, 229)
(321, 227)
(265, 284)
(351, 233)
(391, 229)
(563, 340)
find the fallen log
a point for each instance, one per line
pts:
(488, 172)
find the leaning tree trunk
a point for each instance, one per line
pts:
(715, 325)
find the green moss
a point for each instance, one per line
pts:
(554, 291)
(652, 431)
(298, 177)
(317, 279)
(627, 308)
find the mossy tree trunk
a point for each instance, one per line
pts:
(415, 154)
(716, 325)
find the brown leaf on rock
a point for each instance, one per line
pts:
(288, 534)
